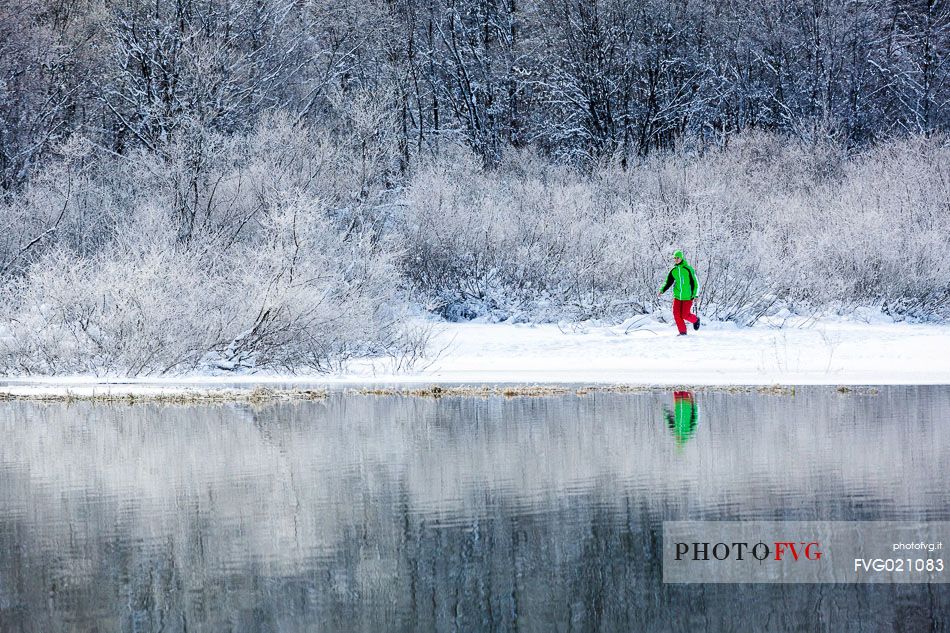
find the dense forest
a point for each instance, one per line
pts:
(575, 79)
(279, 183)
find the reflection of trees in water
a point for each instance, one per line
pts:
(361, 512)
(588, 565)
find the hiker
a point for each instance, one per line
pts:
(685, 288)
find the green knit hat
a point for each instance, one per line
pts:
(678, 254)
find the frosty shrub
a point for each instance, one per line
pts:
(311, 296)
(765, 221)
(290, 247)
(300, 295)
(516, 244)
(139, 306)
(882, 234)
(255, 251)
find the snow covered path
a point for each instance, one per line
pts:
(640, 352)
(829, 352)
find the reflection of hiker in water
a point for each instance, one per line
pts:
(682, 420)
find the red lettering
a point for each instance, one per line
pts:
(781, 546)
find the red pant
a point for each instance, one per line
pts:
(681, 314)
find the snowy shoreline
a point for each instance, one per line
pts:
(641, 352)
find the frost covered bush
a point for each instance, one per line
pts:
(132, 308)
(312, 296)
(882, 236)
(256, 251)
(519, 244)
(765, 221)
(300, 295)
(296, 248)
(554, 243)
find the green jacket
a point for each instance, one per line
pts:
(684, 282)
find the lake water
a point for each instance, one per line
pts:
(458, 514)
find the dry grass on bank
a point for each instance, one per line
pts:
(263, 395)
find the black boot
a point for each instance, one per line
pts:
(696, 325)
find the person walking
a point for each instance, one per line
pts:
(685, 288)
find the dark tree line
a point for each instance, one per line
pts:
(576, 79)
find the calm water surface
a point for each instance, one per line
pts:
(460, 514)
